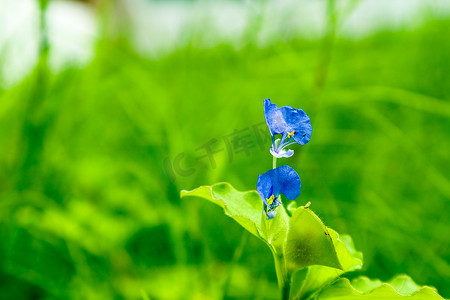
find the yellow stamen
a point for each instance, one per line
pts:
(291, 133)
(270, 200)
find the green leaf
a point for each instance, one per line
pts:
(307, 281)
(349, 258)
(277, 229)
(244, 207)
(296, 242)
(400, 287)
(308, 242)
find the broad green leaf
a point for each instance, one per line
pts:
(296, 242)
(401, 287)
(305, 282)
(349, 258)
(244, 207)
(308, 242)
(277, 229)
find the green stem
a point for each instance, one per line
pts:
(284, 281)
(285, 291)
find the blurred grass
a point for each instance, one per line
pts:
(91, 208)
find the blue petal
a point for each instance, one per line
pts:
(285, 181)
(298, 120)
(264, 186)
(274, 118)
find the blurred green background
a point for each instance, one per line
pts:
(93, 157)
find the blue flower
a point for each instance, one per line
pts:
(293, 124)
(282, 180)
